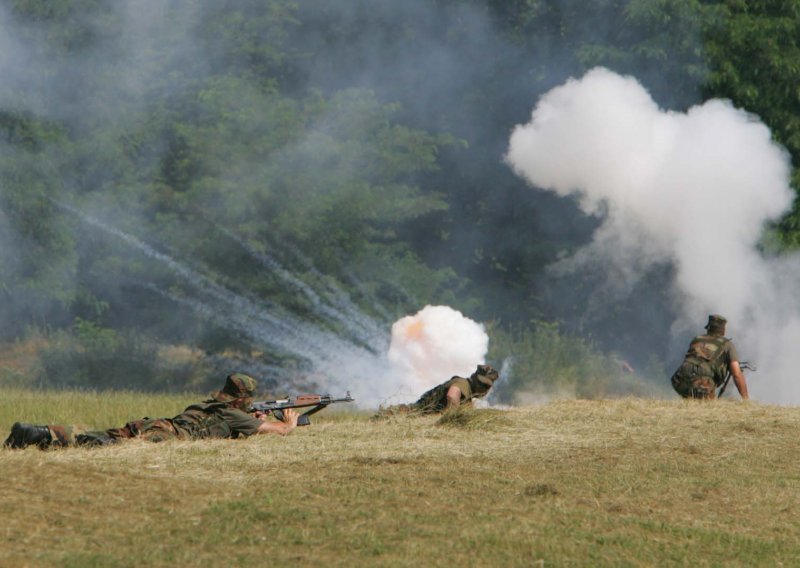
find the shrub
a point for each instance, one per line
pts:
(93, 357)
(541, 361)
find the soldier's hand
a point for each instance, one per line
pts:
(290, 417)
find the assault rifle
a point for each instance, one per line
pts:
(316, 401)
(742, 365)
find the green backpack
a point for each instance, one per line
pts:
(706, 352)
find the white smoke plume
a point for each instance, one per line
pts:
(694, 189)
(433, 345)
(426, 349)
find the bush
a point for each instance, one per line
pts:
(93, 357)
(541, 361)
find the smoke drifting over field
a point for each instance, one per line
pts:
(694, 189)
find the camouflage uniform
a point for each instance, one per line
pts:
(435, 400)
(706, 363)
(218, 417)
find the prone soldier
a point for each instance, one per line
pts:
(221, 416)
(453, 393)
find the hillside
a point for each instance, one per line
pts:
(629, 482)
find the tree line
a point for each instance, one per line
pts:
(350, 148)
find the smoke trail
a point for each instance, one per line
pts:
(425, 349)
(335, 306)
(259, 321)
(500, 387)
(694, 189)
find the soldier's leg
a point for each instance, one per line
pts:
(130, 430)
(682, 386)
(704, 388)
(149, 429)
(57, 435)
(157, 430)
(44, 436)
(135, 429)
(95, 438)
(67, 435)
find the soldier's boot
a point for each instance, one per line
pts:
(24, 435)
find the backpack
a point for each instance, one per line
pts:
(706, 352)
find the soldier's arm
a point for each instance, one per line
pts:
(453, 397)
(288, 424)
(738, 380)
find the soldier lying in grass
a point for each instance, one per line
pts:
(221, 416)
(451, 394)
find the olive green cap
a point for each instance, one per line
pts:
(237, 385)
(716, 323)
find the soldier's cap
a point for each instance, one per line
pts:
(237, 385)
(716, 321)
(487, 374)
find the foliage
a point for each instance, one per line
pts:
(754, 49)
(37, 254)
(94, 357)
(267, 147)
(543, 363)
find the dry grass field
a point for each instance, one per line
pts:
(628, 482)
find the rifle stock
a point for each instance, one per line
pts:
(314, 403)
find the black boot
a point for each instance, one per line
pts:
(23, 435)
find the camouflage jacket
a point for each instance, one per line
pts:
(212, 419)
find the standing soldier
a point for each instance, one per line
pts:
(707, 363)
(221, 416)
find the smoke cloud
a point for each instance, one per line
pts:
(434, 344)
(694, 190)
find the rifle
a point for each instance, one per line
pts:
(316, 401)
(742, 365)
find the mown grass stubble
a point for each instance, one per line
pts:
(626, 482)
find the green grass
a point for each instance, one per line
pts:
(101, 409)
(629, 482)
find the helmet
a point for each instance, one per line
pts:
(486, 374)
